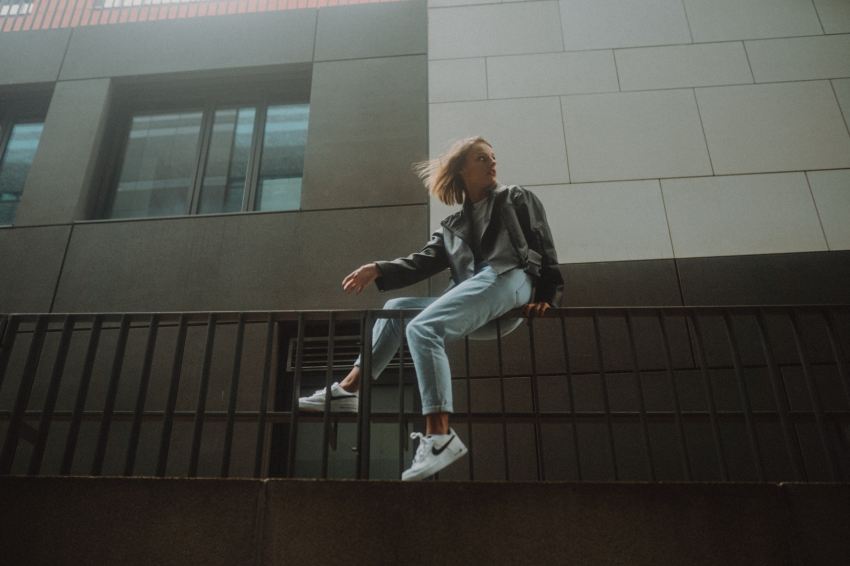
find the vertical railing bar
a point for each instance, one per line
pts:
(326, 418)
(198, 431)
(52, 394)
(174, 382)
(744, 394)
(606, 406)
(111, 393)
(402, 420)
(365, 417)
(837, 351)
(296, 386)
(141, 397)
(502, 400)
(569, 376)
(813, 395)
(469, 399)
(780, 395)
(709, 393)
(234, 392)
(639, 390)
(82, 393)
(363, 376)
(535, 404)
(10, 333)
(24, 391)
(260, 453)
(677, 407)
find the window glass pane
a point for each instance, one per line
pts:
(15, 8)
(159, 161)
(227, 161)
(282, 163)
(14, 166)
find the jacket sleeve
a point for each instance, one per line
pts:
(550, 286)
(420, 265)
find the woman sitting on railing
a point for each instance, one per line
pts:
(501, 256)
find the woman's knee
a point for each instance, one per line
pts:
(419, 330)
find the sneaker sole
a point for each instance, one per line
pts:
(336, 407)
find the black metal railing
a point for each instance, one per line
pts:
(740, 393)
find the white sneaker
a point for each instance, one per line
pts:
(434, 453)
(341, 400)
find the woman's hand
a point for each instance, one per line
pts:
(358, 279)
(535, 309)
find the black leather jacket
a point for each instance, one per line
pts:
(517, 235)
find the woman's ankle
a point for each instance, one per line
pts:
(351, 381)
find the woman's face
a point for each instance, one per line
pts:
(479, 168)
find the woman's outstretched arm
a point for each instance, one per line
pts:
(360, 278)
(404, 271)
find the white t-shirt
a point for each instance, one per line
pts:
(480, 214)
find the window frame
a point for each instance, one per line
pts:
(26, 108)
(206, 96)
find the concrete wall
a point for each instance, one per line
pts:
(168, 521)
(677, 144)
(368, 122)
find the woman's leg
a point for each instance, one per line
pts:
(386, 338)
(461, 310)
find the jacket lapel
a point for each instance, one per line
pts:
(461, 222)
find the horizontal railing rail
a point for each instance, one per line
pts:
(713, 393)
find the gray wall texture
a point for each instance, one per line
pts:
(368, 123)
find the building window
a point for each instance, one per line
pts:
(213, 159)
(18, 144)
(15, 8)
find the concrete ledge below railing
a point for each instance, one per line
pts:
(129, 521)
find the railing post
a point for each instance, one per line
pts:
(234, 391)
(7, 341)
(605, 402)
(535, 404)
(677, 407)
(112, 392)
(571, 393)
(402, 420)
(296, 388)
(174, 383)
(364, 416)
(201, 407)
(326, 422)
(10, 445)
(639, 390)
(141, 397)
(52, 394)
(260, 452)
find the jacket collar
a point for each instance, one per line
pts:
(460, 222)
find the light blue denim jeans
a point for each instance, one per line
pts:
(467, 309)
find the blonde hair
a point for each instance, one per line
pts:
(441, 175)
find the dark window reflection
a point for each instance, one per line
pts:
(158, 165)
(160, 162)
(14, 167)
(282, 162)
(227, 161)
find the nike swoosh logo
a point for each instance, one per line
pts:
(342, 397)
(437, 452)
